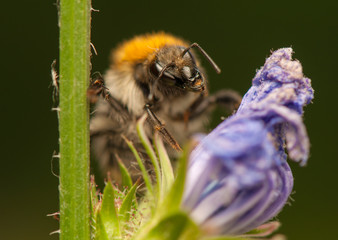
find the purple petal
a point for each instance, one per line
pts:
(238, 177)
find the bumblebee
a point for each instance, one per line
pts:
(158, 74)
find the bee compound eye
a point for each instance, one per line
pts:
(187, 73)
(158, 67)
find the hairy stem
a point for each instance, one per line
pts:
(73, 122)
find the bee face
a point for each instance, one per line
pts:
(177, 69)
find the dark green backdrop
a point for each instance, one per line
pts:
(237, 34)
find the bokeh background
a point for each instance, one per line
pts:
(237, 34)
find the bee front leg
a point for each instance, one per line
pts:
(158, 126)
(97, 90)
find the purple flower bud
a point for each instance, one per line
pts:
(238, 177)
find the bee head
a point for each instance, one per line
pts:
(176, 66)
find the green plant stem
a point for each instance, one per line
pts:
(73, 122)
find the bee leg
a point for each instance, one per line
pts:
(118, 106)
(97, 89)
(229, 99)
(158, 126)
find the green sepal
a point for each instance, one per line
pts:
(167, 173)
(127, 204)
(150, 151)
(126, 179)
(168, 218)
(108, 212)
(172, 201)
(100, 230)
(177, 226)
(145, 174)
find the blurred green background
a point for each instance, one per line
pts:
(237, 34)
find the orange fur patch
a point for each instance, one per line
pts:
(143, 48)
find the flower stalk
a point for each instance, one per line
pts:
(74, 25)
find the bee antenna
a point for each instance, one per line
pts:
(213, 64)
(151, 94)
